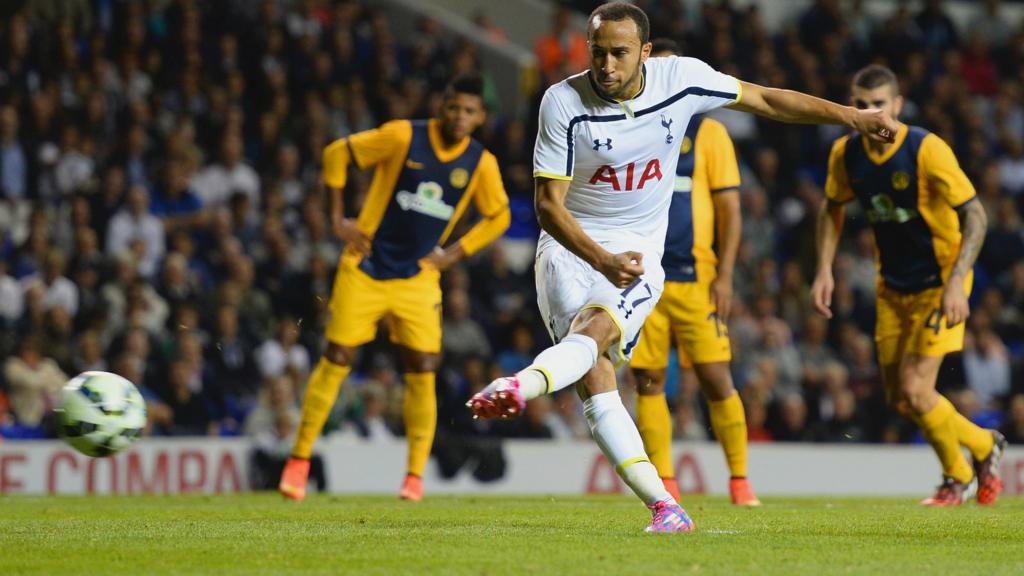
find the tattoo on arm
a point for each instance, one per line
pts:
(973, 225)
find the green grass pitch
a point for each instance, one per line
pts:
(328, 534)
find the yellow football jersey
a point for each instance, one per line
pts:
(910, 195)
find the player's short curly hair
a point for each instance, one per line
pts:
(466, 84)
(619, 11)
(874, 76)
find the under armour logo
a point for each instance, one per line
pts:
(628, 309)
(598, 144)
(667, 123)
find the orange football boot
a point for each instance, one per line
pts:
(741, 493)
(412, 488)
(293, 479)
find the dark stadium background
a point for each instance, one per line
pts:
(161, 214)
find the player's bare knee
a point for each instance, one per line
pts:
(598, 325)
(715, 380)
(916, 393)
(416, 361)
(650, 382)
(338, 354)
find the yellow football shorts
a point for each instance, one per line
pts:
(685, 313)
(913, 323)
(412, 307)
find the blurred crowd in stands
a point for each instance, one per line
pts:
(161, 214)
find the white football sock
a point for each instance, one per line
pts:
(619, 439)
(559, 366)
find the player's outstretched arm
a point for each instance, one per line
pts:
(973, 224)
(620, 269)
(829, 228)
(799, 108)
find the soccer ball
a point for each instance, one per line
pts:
(100, 413)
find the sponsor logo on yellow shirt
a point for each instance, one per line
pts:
(426, 200)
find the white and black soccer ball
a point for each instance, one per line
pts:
(100, 413)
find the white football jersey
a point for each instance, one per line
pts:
(621, 156)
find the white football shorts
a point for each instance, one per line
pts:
(567, 285)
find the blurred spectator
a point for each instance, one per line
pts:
(89, 353)
(861, 271)
(55, 289)
(757, 416)
(1011, 166)
(842, 426)
(688, 426)
(13, 164)
(371, 424)
(33, 383)
(133, 229)
(234, 378)
(277, 397)
(986, 366)
(177, 206)
(189, 414)
(792, 426)
(938, 33)
(283, 354)
(1014, 426)
(11, 300)
(992, 22)
(520, 353)
(461, 336)
(76, 165)
(563, 51)
(217, 182)
(814, 353)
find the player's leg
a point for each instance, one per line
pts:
(357, 303)
(654, 420)
(729, 422)
(620, 441)
(909, 379)
(317, 401)
(419, 411)
(564, 283)
(704, 339)
(415, 323)
(934, 414)
(934, 338)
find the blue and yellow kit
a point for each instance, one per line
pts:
(707, 166)
(909, 194)
(420, 190)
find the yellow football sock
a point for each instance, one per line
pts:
(321, 392)
(420, 413)
(975, 438)
(730, 426)
(941, 432)
(655, 424)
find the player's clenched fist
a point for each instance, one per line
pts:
(876, 124)
(622, 269)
